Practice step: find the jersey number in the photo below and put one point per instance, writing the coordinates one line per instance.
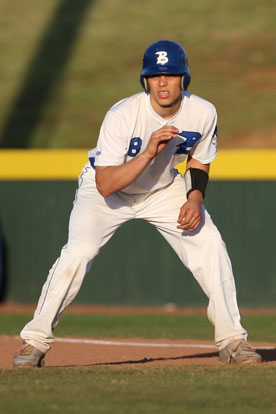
(134, 147)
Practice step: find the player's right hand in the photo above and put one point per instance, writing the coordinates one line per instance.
(159, 140)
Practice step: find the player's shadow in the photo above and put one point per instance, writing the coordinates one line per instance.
(148, 360)
(268, 355)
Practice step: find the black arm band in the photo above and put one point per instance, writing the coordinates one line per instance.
(196, 179)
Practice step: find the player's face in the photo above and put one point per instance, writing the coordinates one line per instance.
(165, 94)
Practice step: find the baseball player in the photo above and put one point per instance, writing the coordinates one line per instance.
(131, 175)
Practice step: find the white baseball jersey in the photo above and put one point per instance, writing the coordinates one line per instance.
(128, 126)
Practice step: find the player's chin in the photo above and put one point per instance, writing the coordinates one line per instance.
(167, 103)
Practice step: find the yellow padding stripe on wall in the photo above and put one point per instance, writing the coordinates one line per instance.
(42, 164)
(244, 164)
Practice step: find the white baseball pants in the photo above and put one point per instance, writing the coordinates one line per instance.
(95, 219)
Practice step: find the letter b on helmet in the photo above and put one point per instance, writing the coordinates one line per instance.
(165, 58)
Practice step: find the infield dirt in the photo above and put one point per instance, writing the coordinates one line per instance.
(124, 352)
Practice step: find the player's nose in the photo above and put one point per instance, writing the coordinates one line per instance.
(162, 80)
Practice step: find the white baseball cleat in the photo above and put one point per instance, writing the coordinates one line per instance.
(239, 352)
(28, 356)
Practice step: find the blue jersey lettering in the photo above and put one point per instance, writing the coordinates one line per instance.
(190, 139)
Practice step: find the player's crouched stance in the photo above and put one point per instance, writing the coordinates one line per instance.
(131, 175)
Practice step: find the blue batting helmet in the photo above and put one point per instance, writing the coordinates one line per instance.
(165, 58)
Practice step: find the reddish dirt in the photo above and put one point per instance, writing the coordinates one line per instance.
(83, 354)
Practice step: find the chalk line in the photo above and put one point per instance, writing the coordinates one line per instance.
(140, 344)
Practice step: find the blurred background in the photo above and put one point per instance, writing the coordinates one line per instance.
(65, 62)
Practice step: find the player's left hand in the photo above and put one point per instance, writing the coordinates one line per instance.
(190, 214)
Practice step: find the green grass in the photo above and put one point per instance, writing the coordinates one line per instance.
(260, 327)
(230, 46)
(168, 390)
(195, 389)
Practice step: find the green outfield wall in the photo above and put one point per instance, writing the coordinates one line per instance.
(137, 266)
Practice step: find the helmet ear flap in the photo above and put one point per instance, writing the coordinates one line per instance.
(185, 81)
(182, 83)
(144, 83)
(146, 86)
